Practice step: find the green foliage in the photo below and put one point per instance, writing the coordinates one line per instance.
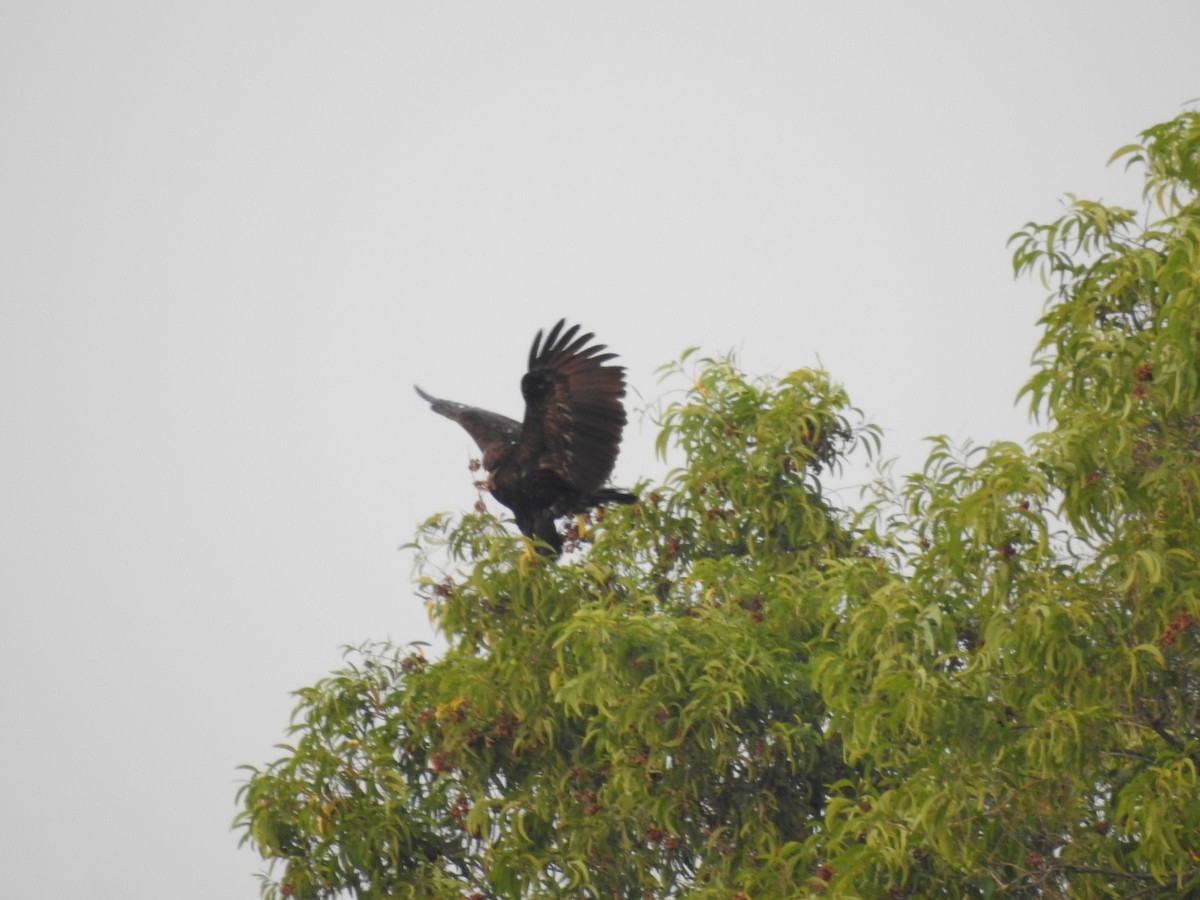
(983, 682)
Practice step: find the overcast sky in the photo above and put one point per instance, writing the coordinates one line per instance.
(233, 235)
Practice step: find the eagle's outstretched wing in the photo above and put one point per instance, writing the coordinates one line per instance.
(495, 434)
(573, 411)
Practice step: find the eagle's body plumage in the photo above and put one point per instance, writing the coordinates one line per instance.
(556, 461)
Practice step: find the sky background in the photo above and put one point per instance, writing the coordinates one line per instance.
(233, 235)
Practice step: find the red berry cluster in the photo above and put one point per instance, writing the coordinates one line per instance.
(754, 606)
(1142, 374)
(459, 810)
(1178, 623)
(587, 797)
(440, 762)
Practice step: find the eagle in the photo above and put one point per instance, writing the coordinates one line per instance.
(557, 460)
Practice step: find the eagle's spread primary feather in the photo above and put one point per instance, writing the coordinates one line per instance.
(555, 462)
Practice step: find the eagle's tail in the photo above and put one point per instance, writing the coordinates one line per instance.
(612, 495)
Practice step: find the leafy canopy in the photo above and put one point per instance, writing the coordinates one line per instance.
(982, 682)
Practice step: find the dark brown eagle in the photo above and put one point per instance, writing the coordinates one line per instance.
(556, 461)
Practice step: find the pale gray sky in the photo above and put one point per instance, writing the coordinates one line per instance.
(233, 235)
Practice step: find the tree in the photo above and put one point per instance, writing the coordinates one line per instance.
(984, 681)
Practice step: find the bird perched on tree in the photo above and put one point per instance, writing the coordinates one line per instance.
(556, 461)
